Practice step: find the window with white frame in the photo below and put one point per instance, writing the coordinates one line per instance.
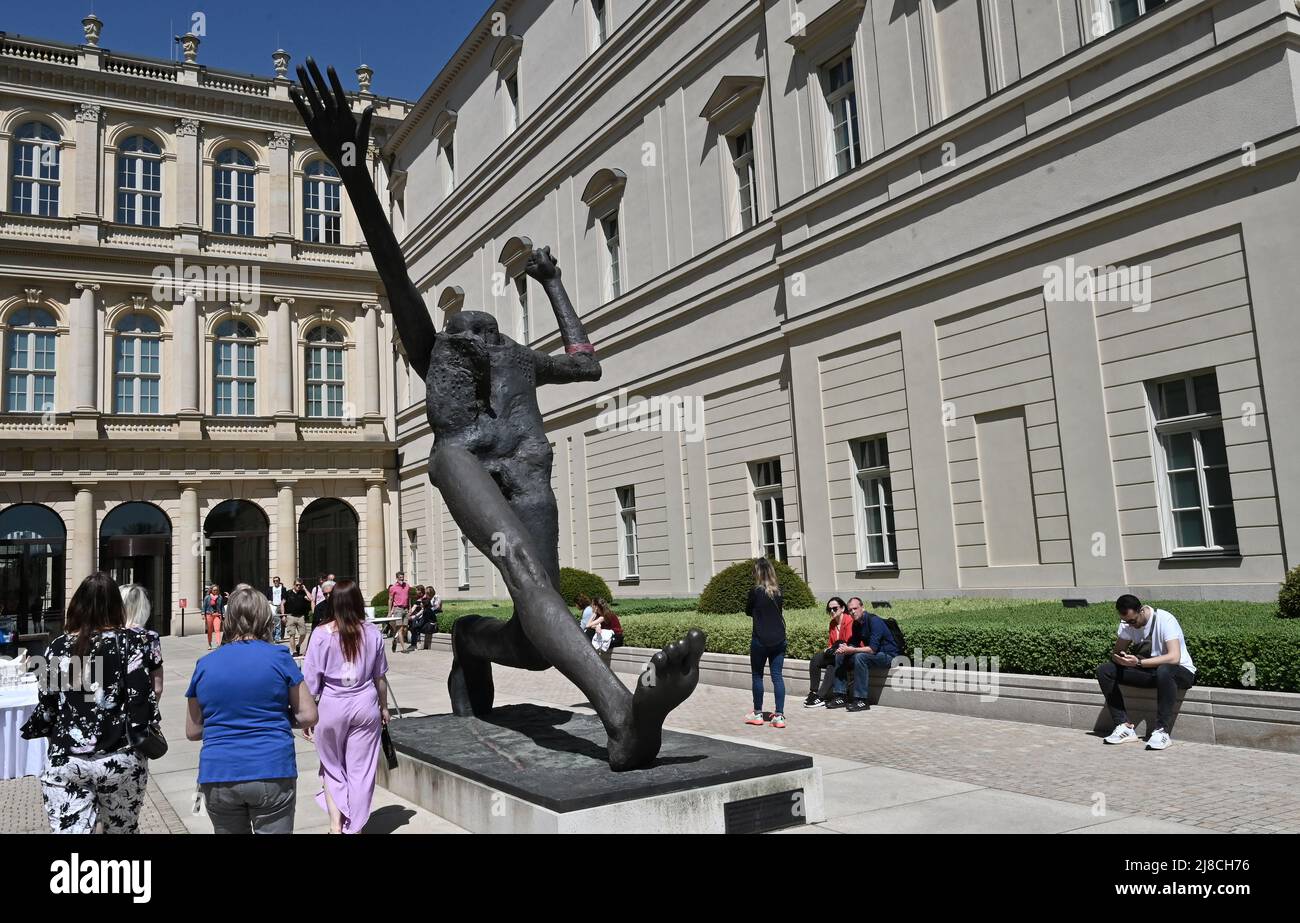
(599, 23)
(447, 152)
(840, 93)
(235, 370)
(325, 372)
(1195, 491)
(609, 228)
(29, 361)
(525, 318)
(746, 180)
(35, 170)
(233, 198)
(139, 182)
(629, 554)
(462, 563)
(769, 508)
(1123, 12)
(322, 204)
(137, 370)
(875, 503)
(511, 83)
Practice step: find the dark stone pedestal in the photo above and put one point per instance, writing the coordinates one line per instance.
(527, 768)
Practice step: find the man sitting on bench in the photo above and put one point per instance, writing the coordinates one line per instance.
(871, 646)
(1150, 651)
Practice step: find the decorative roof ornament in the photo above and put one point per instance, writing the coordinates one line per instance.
(364, 75)
(190, 47)
(280, 58)
(92, 25)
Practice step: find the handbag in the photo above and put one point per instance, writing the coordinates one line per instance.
(148, 741)
(390, 752)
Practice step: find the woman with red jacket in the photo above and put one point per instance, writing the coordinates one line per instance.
(820, 669)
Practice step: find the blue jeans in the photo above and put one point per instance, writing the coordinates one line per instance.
(862, 664)
(759, 656)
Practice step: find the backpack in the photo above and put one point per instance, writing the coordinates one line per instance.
(899, 641)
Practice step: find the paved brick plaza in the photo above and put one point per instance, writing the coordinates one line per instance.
(887, 770)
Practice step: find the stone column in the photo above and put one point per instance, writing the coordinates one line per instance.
(83, 334)
(370, 361)
(376, 572)
(189, 545)
(281, 180)
(286, 534)
(185, 364)
(189, 182)
(283, 352)
(82, 563)
(86, 191)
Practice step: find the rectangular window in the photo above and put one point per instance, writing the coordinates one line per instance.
(512, 101)
(769, 508)
(746, 182)
(1196, 493)
(629, 557)
(448, 149)
(599, 23)
(1123, 12)
(841, 96)
(613, 256)
(525, 321)
(462, 563)
(875, 506)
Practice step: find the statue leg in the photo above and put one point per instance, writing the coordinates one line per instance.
(543, 629)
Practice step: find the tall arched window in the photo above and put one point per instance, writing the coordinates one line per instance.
(36, 170)
(232, 205)
(325, 372)
(235, 378)
(139, 182)
(137, 374)
(322, 213)
(29, 362)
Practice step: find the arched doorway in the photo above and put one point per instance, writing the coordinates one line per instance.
(33, 548)
(237, 533)
(135, 546)
(327, 540)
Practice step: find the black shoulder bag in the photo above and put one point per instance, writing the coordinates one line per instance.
(148, 741)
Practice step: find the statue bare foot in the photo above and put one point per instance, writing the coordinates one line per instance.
(666, 682)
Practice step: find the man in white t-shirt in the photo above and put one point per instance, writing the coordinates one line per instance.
(1150, 651)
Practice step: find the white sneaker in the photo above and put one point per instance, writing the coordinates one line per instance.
(1159, 740)
(1122, 734)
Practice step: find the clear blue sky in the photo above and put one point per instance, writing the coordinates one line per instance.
(405, 41)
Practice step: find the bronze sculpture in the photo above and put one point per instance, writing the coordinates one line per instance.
(491, 461)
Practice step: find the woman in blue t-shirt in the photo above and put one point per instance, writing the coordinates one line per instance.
(245, 699)
(768, 642)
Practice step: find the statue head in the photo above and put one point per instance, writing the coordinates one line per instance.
(476, 325)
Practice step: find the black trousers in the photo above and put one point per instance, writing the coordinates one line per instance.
(1166, 679)
(821, 673)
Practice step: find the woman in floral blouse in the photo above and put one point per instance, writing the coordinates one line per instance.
(93, 774)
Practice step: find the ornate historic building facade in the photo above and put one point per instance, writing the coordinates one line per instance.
(197, 382)
(973, 296)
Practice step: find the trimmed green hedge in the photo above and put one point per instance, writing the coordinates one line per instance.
(1288, 598)
(728, 591)
(1227, 639)
(574, 582)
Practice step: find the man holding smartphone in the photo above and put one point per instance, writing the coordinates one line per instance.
(1150, 651)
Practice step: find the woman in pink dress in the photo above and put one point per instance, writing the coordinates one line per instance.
(345, 669)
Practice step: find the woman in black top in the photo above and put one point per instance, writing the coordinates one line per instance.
(98, 680)
(768, 642)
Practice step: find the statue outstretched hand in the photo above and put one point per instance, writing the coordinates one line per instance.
(327, 112)
(542, 266)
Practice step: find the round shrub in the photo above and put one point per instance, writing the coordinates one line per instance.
(1288, 598)
(574, 583)
(380, 599)
(729, 589)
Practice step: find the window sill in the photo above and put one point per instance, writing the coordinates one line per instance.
(630, 580)
(876, 570)
(1219, 556)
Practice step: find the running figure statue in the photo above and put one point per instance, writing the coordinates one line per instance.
(492, 463)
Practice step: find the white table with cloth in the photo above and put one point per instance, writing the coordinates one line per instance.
(19, 757)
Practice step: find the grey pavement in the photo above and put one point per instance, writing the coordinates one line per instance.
(888, 770)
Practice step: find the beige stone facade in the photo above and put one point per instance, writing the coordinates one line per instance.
(980, 296)
(189, 317)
